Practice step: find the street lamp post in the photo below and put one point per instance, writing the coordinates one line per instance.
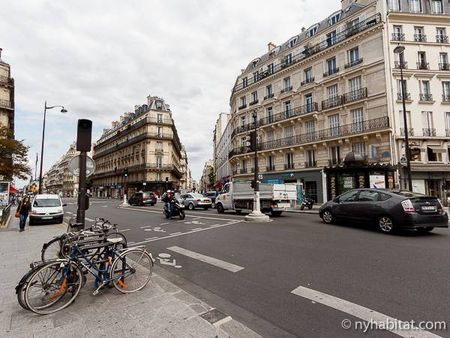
(400, 51)
(256, 215)
(63, 110)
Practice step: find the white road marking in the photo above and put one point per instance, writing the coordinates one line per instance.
(197, 229)
(146, 226)
(151, 238)
(175, 233)
(187, 233)
(222, 321)
(164, 223)
(123, 230)
(206, 259)
(89, 219)
(358, 311)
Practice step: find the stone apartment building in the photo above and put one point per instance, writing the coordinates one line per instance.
(221, 144)
(325, 102)
(145, 146)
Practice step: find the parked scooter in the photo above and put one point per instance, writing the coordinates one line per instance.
(176, 209)
(307, 203)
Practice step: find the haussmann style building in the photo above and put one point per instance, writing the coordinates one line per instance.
(328, 107)
(142, 151)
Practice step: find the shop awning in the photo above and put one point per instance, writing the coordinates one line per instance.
(12, 189)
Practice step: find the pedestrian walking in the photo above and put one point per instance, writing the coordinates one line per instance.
(22, 212)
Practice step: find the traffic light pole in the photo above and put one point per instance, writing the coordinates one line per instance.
(256, 215)
(81, 211)
(125, 180)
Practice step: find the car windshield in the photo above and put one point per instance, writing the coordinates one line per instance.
(46, 202)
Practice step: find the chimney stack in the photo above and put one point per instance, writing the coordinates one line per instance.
(303, 29)
(271, 46)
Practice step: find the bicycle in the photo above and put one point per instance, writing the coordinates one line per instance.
(54, 285)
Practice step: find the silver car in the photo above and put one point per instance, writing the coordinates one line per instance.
(193, 200)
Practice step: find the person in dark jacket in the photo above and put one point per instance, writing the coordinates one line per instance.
(23, 210)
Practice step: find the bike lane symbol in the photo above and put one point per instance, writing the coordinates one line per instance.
(164, 259)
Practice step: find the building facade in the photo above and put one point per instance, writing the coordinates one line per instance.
(142, 151)
(221, 150)
(6, 95)
(206, 182)
(422, 28)
(314, 99)
(186, 178)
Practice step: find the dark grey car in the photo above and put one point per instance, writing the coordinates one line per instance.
(388, 210)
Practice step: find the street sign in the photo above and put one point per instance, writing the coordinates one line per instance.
(403, 161)
(74, 166)
(260, 177)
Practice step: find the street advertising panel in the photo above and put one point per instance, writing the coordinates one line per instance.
(4, 193)
(377, 181)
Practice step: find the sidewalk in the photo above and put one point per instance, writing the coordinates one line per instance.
(314, 210)
(161, 309)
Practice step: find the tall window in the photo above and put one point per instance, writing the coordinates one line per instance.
(353, 56)
(441, 35)
(310, 128)
(357, 120)
(289, 161)
(333, 122)
(254, 96)
(334, 19)
(158, 162)
(331, 66)
(159, 145)
(333, 95)
(419, 33)
(446, 91)
(159, 118)
(288, 59)
(159, 132)
(335, 155)
(359, 148)
(243, 101)
(436, 7)
(402, 122)
(414, 6)
(244, 82)
(269, 135)
(427, 123)
(309, 103)
(312, 31)
(425, 87)
(398, 33)
(256, 76)
(270, 163)
(269, 91)
(400, 89)
(308, 75)
(287, 108)
(270, 68)
(447, 123)
(287, 84)
(289, 131)
(158, 177)
(331, 38)
(243, 121)
(394, 5)
(310, 158)
(269, 112)
(355, 84)
(443, 61)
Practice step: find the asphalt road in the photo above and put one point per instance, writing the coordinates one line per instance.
(251, 270)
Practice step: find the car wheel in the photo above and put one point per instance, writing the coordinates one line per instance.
(425, 230)
(327, 217)
(191, 206)
(220, 209)
(386, 225)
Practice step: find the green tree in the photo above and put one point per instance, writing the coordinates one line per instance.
(13, 156)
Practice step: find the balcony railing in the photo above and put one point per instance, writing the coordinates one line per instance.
(268, 96)
(242, 106)
(444, 66)
(398, 37)
(420, 37)
(331, 71)
(253, 102)
(355, 95)
(353, 63)
(321, 135)
(423, 65)
(314, 49)
(288, 166)
(410, 131)
(446, 97)
(428, 131)
(442, 38)
(5, 103)
(286, 89)
(398, 65)
(447, 132)
(426, 97)
(243, 171)
(334, 162)
(332, 102)
(406, 95)
(270, 168)
(310, 164)
(308, 80)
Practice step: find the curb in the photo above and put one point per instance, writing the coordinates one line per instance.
(314, 212)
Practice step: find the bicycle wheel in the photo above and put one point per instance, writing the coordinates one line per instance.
(53, 287)
(131, 270)
(21, 286)
(52, 250)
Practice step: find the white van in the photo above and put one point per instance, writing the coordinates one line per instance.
(46, 208)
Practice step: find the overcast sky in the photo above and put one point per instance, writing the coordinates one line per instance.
(100, 58)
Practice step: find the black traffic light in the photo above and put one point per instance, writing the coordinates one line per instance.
(84, 135)
(251, 141)
(125, 172)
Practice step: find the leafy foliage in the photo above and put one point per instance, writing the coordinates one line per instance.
(13, 156)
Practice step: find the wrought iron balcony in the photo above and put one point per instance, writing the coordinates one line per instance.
(420, 37)
(444, 66)
(314, 49)
(321, 135)
(355, 95)
(242, 106)
(447, 132)
(428, 131)
(270, 168)
(253, 102)
(243, 171)
(446, 97)
(331, 102)
(331, 71)
(398, 37)
(442, 38)
(410, 131)
(308, 80)
(310, 164)
(288, 166)
(334, 162)
(286, 89)
(353, 63)
(406, 95)
(423, 65)
(398, 65)
(268, 96)
(426, 97)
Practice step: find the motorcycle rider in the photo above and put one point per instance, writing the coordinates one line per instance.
(168, 198)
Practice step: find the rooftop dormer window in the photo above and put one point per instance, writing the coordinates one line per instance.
(158, 104)
(312, 30)
(255, 62)
(292, 42)
(335, 17)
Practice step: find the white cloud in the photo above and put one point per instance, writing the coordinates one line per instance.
(100, 58)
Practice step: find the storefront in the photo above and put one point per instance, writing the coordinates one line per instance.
(355, 172)
(434, 180)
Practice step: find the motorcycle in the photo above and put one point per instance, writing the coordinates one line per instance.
(307, 203)
(176, 209)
